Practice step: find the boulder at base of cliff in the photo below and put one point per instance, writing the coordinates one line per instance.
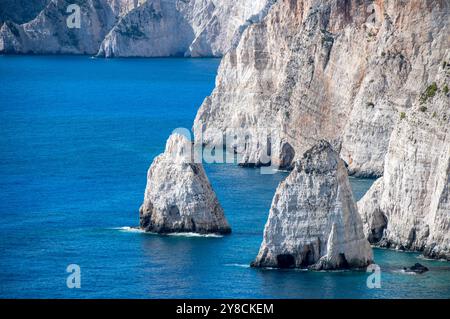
(179, 197)
(313, 221)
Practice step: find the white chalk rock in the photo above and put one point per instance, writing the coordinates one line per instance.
(323, 69)
(313, 221)
(179, 197)
(409, 207)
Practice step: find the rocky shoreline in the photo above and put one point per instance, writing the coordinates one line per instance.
(135, 28)
(365, 83)
(365, 87)
(374, 83)
(409, 207)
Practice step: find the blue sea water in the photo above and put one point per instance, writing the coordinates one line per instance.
(77, 136)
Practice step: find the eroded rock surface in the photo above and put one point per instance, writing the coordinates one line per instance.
(49, 33)
(179, 197)
(20, 11)
(183, 28)
(327, 69)
(409, 207)
(136, 28)
(313, 221)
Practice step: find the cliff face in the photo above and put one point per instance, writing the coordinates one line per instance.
(313, 221)
(20, 11)
(48, 32)
(156, 28)
(179, 197)
(341, 70)
(175, 27)
(144, 28)
(409, 207)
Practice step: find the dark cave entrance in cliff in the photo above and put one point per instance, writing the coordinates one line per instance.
(285, 261)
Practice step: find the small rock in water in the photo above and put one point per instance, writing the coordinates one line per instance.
(417, 268)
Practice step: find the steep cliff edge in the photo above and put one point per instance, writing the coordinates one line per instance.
(178, 196)
(154, 29)
(48, 33)
(141, 28)
(332, 69)
(409, 207)
(188, 28)
(313, 221)
(20, 11)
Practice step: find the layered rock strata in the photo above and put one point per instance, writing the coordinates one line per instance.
(409, 207)
(313, 221)
(194, 28)
(49, 32)
(326, 69)
(178, 197)
(135, 28)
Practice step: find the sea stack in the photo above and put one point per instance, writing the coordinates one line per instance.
(178, 197)
(314, 222)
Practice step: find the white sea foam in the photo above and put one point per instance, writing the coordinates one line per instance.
(127, 229)
(335, 270)
(403, 272)
(195, 235)
(266, 268)
(431, 259)
(425, 258)
(238, 265)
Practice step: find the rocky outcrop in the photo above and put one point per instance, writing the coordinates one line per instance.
(154, 29)
(332, 69)
(185, 28)
(313, 221)
(144, 28)
(20, 11)
(409, 207)
(48, 33)
(179, 197)
(416, 269)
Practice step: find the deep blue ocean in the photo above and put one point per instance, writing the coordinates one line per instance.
(77, 136)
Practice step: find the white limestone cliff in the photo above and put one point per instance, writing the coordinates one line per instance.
(49, 33)
(338, 70)
(154, 29)
(182, 28)
(313, 221)
(136, 28)
(178, 197)
(409, 207)
(20, 11)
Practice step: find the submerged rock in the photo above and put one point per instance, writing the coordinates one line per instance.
(313, 221)
(179, 197)
(417, 268)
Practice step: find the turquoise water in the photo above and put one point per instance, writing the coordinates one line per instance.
(76, 138)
